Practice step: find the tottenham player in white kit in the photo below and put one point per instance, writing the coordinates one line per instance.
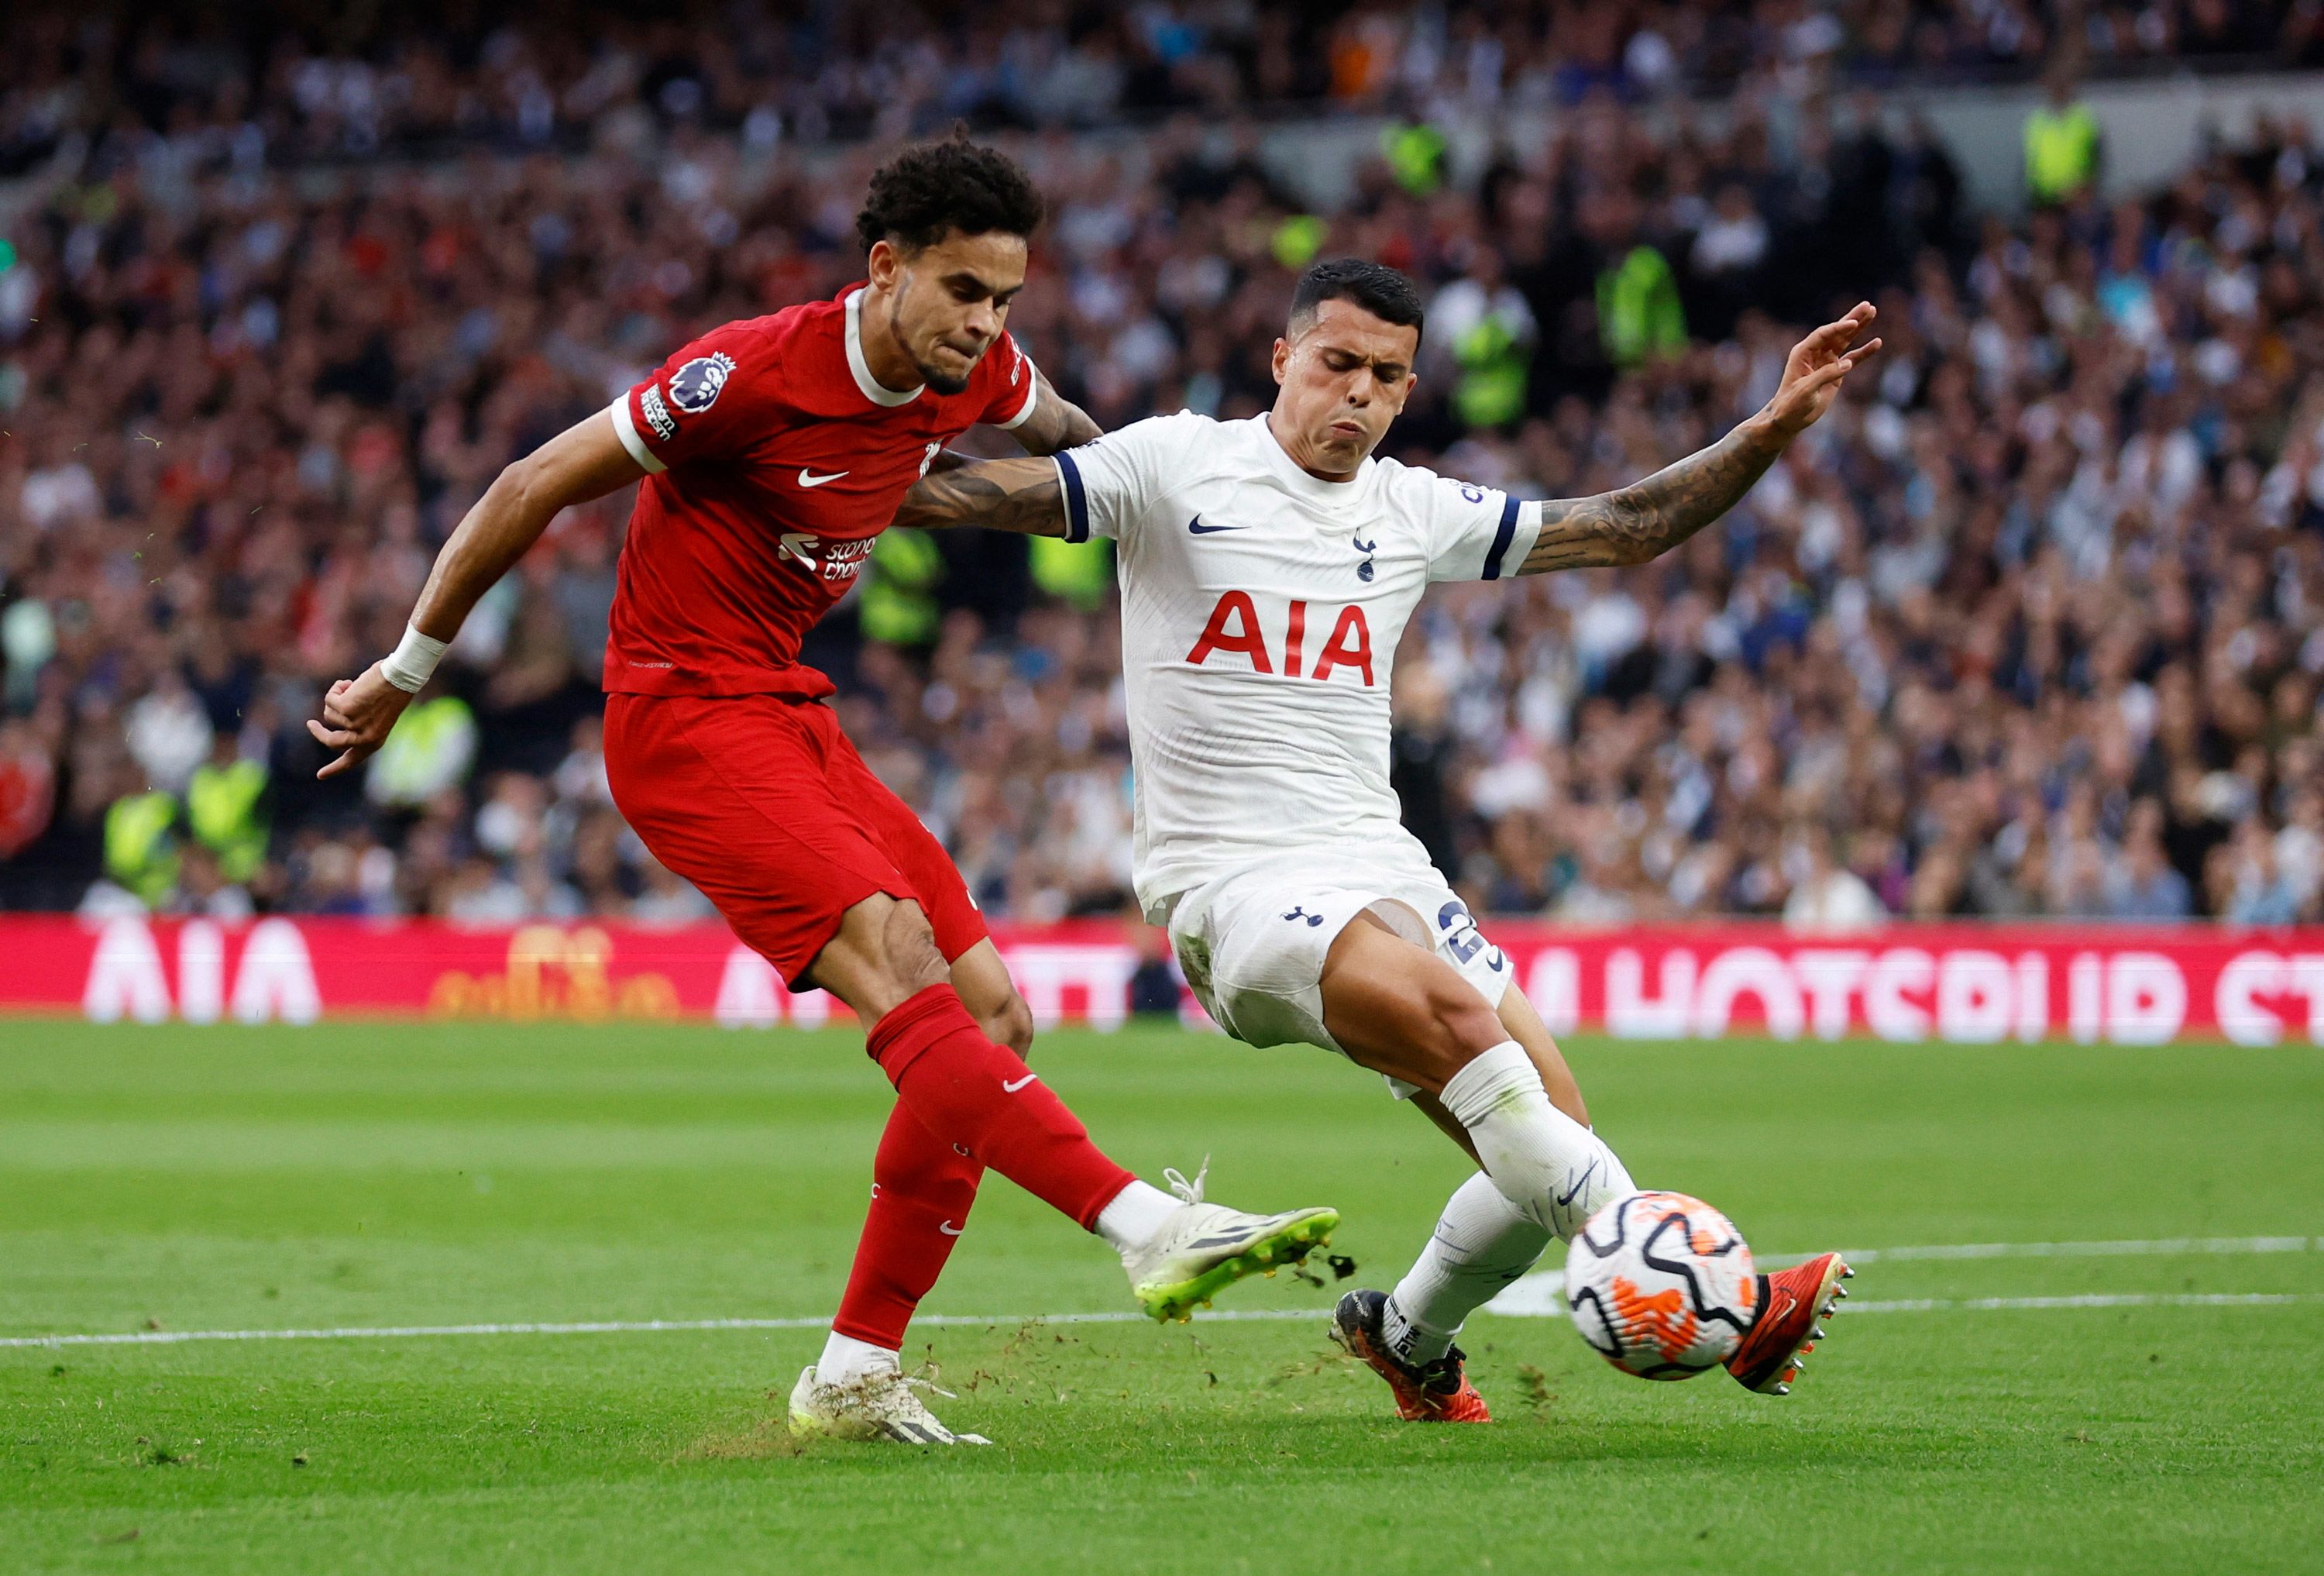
(1267, 569)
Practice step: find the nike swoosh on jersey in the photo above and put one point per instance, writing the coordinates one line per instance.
(1009, 1088)
(949, 1229)
(810, 479)
(1195, 527)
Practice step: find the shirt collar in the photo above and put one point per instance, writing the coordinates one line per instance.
(1287, 470)
(873, 390)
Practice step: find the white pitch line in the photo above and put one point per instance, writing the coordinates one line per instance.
(1537, 1296)
(607, 1327)
(2086, 1300)
(1555, 1310)
(2160, 1245)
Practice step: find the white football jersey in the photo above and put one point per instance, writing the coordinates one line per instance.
(1261, 609)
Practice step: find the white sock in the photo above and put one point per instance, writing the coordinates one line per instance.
(1554, 1170)
(846, 1359)
(1482, 1242)
(1136, 1214)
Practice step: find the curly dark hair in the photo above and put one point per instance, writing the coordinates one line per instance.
(924, 192)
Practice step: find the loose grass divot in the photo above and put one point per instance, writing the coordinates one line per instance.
(765, 1439)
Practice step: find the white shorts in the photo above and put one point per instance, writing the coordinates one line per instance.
(1251, 942)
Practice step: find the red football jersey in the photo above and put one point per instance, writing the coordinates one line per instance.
(774, 458)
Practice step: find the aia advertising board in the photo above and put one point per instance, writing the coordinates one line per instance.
(1961, 984)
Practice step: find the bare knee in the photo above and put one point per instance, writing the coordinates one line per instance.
(1009, 1024)
(913, 962)
(991, 997)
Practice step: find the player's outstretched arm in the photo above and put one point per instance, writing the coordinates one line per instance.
(584, 461)
(1023, 495)
(1649, 517)
(1056, 423)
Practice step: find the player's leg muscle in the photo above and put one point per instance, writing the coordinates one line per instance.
(1399, 1008)
(959, 1083)
(883, 954)
(991, 997)
(924, 1187)
(1523, 1026)
(1405, 1011)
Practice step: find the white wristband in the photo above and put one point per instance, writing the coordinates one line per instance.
(414, 658)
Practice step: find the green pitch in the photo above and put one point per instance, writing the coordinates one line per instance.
(196, 1180)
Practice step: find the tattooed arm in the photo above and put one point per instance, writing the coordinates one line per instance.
(1649, 517)
(1055, 422)
(1014, 495)
(1025, 495)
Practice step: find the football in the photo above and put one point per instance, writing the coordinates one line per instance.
(1660, 1285)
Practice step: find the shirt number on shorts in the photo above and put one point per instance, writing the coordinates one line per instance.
(1460, 936)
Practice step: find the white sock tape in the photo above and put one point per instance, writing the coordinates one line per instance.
(413, 660)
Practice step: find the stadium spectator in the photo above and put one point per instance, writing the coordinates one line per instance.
(2036, 627)
(166, 92)
(1828, 896)
(2062, 144)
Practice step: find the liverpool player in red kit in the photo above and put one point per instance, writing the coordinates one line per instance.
(773, 451)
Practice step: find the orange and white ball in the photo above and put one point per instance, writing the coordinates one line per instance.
(1660, 1285)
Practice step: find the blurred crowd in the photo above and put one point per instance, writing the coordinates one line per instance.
(297, 78)
(2033, 625)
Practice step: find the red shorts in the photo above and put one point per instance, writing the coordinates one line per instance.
(764, 804)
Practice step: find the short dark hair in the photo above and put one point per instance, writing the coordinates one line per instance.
(924, 192)
(1377, 287)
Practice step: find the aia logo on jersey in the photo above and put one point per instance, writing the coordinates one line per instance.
(694, 387)
(842, 564)
(1233, 626)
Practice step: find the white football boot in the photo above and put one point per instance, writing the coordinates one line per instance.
(881, 1406)
(1203, 1249)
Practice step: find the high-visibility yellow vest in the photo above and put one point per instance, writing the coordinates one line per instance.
(429, 749)
(141, 848)
(1073, 572)
(1416, 157)
(1639, 310)
(2062, 151)
(1296, 241)
(222, 807)
(897, 604)
(1491, 391)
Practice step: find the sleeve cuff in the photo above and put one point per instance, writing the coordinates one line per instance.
(1504, 535)
(1032, 398)
(627, 431)
(1077, 525)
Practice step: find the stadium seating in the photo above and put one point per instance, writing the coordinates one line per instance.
(2035, 626)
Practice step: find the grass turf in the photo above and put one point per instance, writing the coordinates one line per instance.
(365, 1175)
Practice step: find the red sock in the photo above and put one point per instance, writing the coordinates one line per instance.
(921, 1191)
(966, 1090)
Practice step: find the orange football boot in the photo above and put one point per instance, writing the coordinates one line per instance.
(1790, 1301)
(1431, 1392)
